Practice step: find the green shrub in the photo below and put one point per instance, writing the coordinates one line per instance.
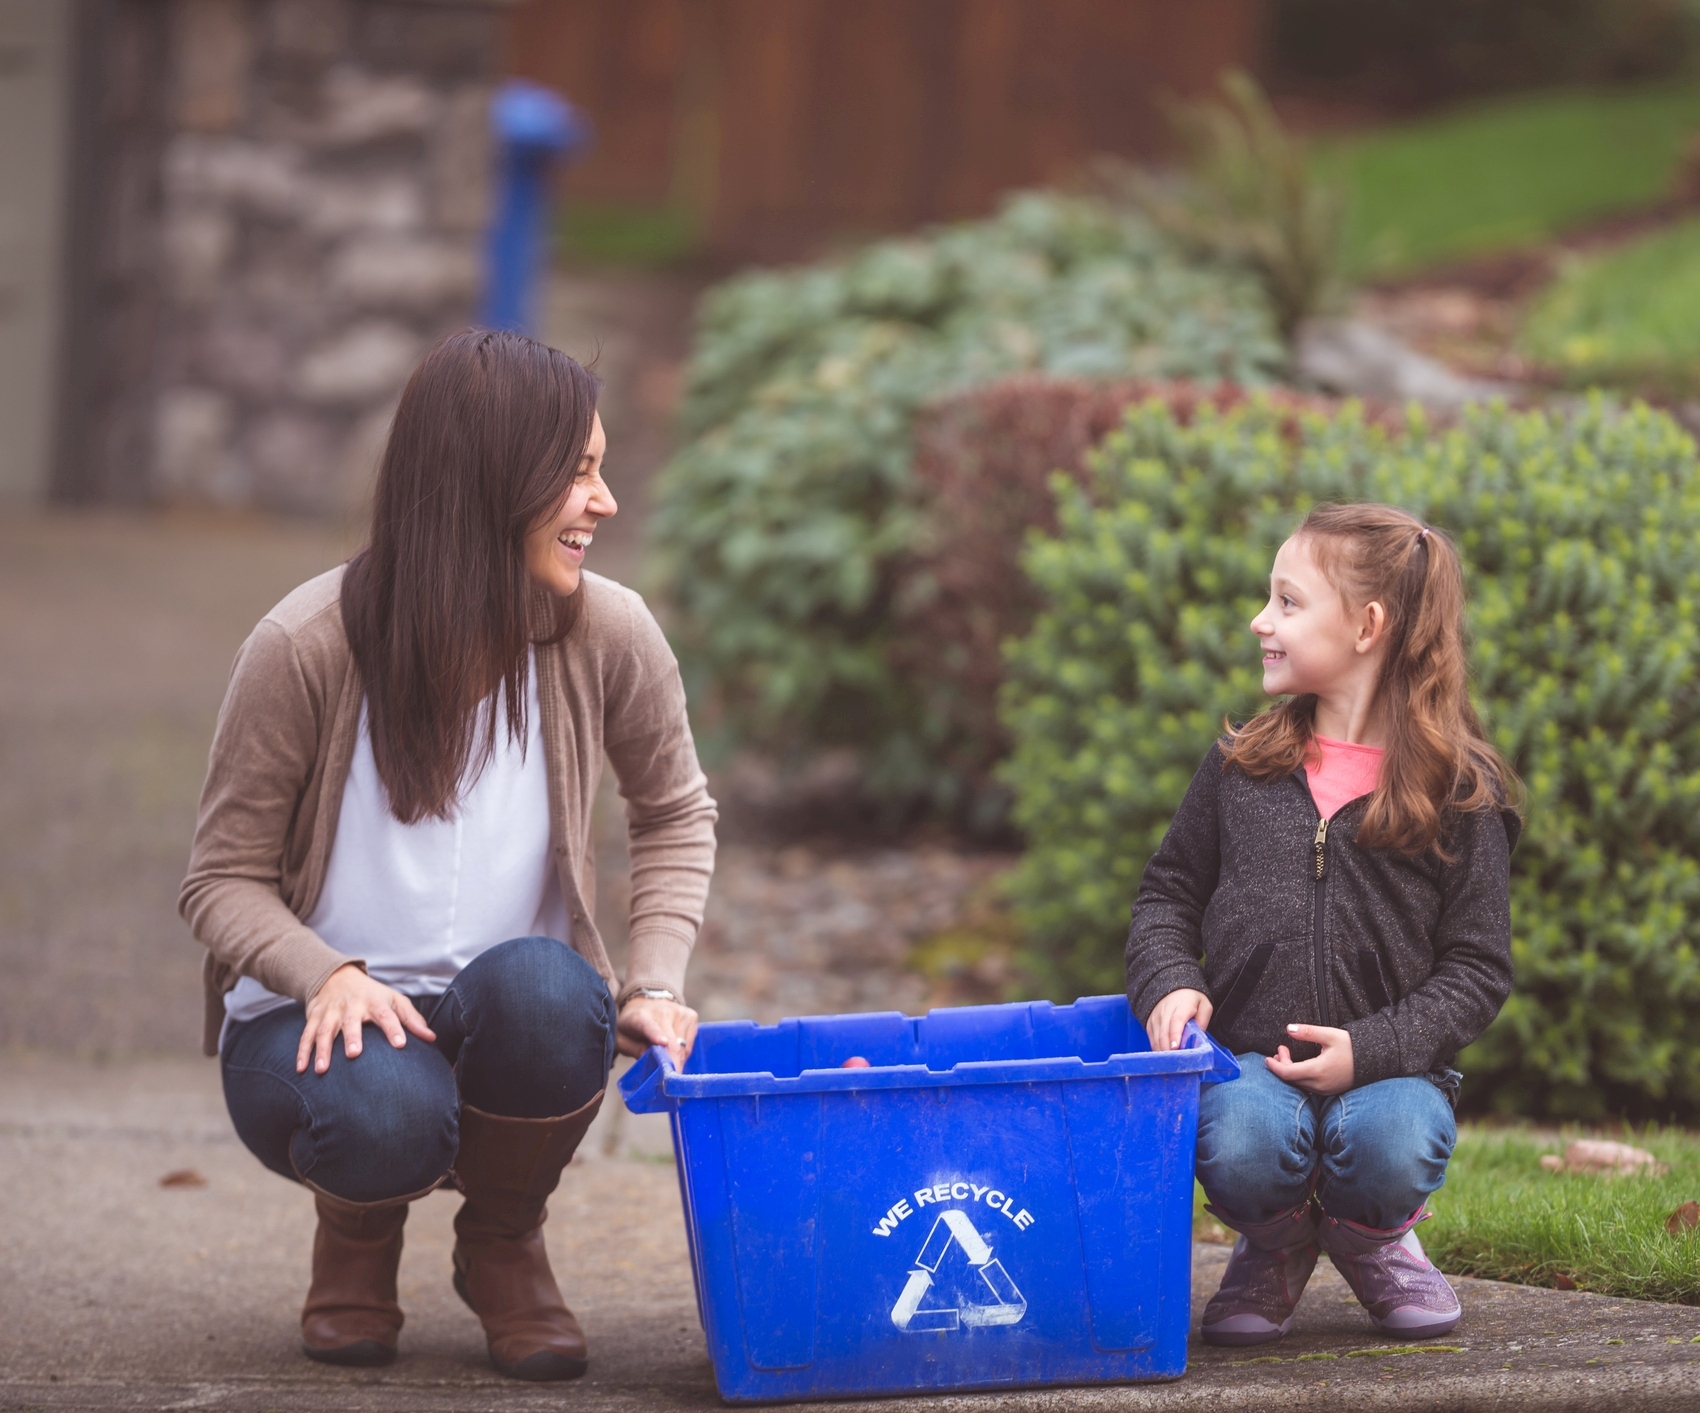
(779, 523)
(1253, 195)
(1581, 537)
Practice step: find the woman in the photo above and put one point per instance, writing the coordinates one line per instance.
(394, 849)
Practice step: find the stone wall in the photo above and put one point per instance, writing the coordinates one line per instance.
(316, 220)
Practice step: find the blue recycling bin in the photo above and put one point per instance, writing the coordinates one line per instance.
(1001, 1199)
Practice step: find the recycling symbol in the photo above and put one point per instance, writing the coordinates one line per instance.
(1003, 1303)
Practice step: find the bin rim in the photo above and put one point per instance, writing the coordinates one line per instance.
(655, 1083)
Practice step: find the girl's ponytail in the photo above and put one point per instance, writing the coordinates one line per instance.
(1438, 757)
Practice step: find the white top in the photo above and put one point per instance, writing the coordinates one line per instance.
(420, 901)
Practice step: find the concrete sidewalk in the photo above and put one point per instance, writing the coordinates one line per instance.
(118, 1293)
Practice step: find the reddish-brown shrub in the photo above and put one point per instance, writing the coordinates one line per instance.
(983, 463)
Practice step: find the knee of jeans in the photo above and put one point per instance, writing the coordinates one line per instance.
(541, 975)
(1253, 1158)
(1383, 1168)
(392, 1132)
(542, 1029)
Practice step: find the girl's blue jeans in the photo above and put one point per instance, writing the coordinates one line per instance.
(526, 1030)
(1371, 1155)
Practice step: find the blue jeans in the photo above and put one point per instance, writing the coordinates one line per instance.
(1372, 1155)
(525, 1031)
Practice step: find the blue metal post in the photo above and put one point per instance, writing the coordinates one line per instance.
(534, 128)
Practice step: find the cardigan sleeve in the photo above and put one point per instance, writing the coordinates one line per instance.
(1472, 973)
(263, 754)
(670, 816)
(1165, 941)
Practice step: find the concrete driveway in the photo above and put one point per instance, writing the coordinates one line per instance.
(116, 1292)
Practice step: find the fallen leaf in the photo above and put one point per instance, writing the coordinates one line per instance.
(1685, 1218)
(1601, 1156)
(1563, 1282)
(183, 1177)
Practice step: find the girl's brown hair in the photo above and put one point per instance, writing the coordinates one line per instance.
(1438, 757)
(438, 607)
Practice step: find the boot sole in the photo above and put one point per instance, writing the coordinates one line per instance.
(1433, 1330)
(1241, 1339)
(543, 1367)
(362, 1354)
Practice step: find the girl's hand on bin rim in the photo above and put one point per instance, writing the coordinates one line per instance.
(1169, 1016)
(651, 1021)
(348, 999)
(1329, 1073)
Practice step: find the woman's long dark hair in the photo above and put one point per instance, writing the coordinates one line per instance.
(438, 607)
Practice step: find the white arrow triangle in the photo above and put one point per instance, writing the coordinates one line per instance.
(1007, 1305)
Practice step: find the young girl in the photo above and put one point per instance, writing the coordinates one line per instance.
(1332, 902)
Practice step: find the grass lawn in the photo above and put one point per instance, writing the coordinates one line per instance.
(1493, 177)
(1630, 316)
(1503, 1217)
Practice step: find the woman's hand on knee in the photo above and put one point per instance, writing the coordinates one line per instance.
(646, 1021)
(348, 999)
(1329, 1073)
(1169, 1016)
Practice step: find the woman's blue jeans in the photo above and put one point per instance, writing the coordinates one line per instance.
(1371, 1155)
(525, 1031)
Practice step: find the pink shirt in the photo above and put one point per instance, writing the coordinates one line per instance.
(1339, 771)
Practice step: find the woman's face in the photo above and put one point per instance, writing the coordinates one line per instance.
(555, 546)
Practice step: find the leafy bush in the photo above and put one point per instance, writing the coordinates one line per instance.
(1632, 316)
(1581, 537)
(779, 523)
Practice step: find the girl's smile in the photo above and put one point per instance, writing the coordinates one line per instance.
(1316, 644)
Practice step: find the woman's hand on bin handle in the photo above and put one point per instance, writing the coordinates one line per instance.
(646, 1021)
(1169, 1016)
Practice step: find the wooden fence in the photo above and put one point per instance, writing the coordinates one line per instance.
(776, 123)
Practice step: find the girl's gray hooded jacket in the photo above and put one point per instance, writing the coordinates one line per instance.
(1278, 920)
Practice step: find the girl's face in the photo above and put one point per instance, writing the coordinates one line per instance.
(555, 546)
(1312, 642)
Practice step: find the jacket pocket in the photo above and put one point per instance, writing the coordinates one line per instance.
(1241, 988)
(1372, 979)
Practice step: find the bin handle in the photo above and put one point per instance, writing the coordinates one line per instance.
(1223, 1066)
(642, 1085)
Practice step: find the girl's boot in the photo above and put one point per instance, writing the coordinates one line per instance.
(1266, 1275)
(508, 1168)
(351, 1315)
(1392, 1277)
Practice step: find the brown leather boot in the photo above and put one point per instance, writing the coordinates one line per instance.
(351, 1315)
(507, 1168)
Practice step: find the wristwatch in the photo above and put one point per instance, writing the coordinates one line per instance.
(649, 993)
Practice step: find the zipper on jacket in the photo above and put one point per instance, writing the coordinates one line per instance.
(1319, 955)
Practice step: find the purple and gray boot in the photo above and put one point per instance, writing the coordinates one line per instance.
(1392, 1277)
(1266, 1275)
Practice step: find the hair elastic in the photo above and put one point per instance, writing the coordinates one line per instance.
(1422, 534)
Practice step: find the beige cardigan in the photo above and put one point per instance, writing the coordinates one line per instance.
(281, 755)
